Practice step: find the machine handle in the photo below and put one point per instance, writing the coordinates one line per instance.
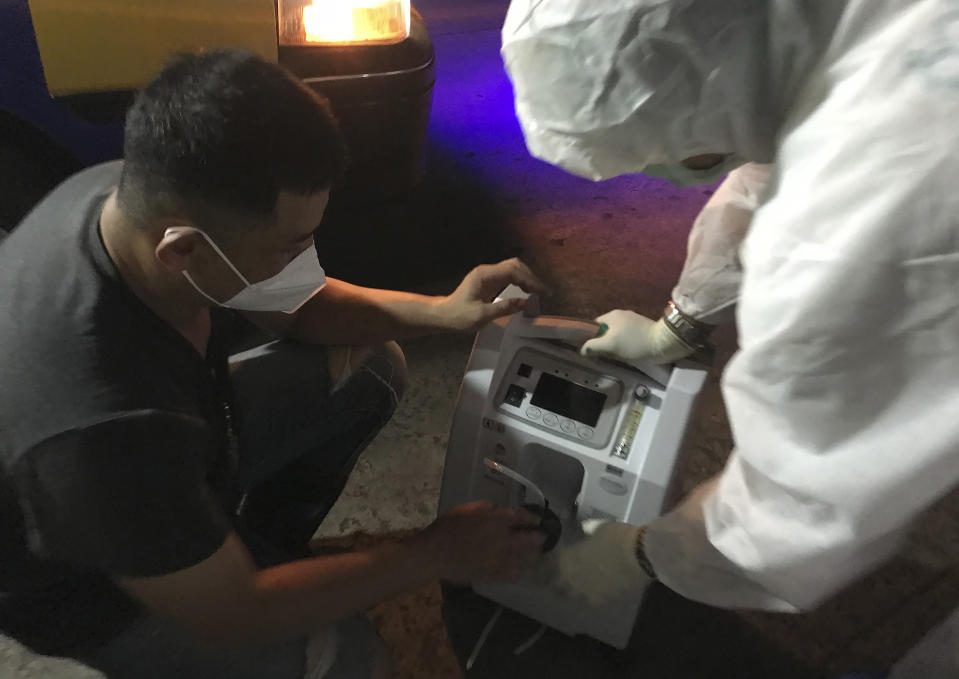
(531, 324)
(571, 330)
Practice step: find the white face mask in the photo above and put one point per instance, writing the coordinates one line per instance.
(287, 291)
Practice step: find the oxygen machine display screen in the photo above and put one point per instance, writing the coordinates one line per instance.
(568, 399)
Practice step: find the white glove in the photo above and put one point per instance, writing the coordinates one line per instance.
(601, 567)
(635, 339)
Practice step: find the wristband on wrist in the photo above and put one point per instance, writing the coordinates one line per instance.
(687, 329)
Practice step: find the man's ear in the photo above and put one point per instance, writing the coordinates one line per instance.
(177, 248)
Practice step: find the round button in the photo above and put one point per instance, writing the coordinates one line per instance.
(533, 413)
(568, 426)
(550, 420)
(641, 392)
(611, 485)
(585, 433)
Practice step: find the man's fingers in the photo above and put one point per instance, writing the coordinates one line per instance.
(525, 277)
(527, 538)
(534, 540)
(523, 524)
(475, 507)
(513, 305)
(498, 276)
(505, 307)
(525, 553)
(525, 517)
(514, 517)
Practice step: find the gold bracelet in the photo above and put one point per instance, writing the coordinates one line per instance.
(644, 561)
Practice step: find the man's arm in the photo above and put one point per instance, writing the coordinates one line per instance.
(709, 284)
(224, 600)
(841, 398)
(342, 313)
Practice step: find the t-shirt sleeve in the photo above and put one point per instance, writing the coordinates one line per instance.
(127, 497)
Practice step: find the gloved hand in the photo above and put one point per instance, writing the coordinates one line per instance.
(602, 566)
(635, 339)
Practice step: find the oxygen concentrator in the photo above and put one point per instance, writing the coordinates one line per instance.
(539, 425)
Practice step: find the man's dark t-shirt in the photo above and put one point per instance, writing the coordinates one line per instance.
(113, 448)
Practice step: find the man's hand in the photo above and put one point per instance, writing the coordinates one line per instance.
(601, 567)
(477, 542)
(635, 339)
(471, 306)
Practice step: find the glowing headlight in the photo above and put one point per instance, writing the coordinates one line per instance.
(316, 22)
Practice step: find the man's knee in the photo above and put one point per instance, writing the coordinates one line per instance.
(385, 362)
(394, 367)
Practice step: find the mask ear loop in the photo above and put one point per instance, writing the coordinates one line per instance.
(199, 289)
(216, 248)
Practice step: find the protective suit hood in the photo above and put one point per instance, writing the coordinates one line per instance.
(607, 87)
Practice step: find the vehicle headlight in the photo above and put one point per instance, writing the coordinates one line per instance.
(316, 22)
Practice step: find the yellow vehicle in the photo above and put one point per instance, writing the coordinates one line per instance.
(69, 70)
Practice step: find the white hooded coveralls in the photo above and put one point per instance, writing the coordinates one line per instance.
(841, 253)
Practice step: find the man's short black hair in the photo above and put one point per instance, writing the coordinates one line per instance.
(223, 132)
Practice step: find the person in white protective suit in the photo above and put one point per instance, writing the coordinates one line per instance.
(836, 242)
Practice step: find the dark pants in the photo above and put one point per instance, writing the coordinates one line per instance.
(298, 441)
(298, 444)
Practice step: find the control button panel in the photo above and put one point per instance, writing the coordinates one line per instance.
(566, 398)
